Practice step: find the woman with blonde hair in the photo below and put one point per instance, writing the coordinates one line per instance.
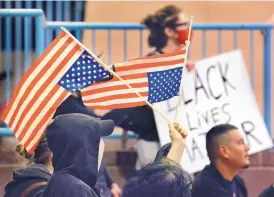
(29, 181)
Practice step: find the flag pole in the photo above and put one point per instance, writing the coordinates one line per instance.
(181, 85)
(113, 73)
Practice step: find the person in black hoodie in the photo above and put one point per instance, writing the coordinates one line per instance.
(27, 182)
(105, 184)
(77, 147)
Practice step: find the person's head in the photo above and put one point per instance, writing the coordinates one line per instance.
(42, 154)
(162, 179)
(168, 25)
(225, 143)
(76, 144)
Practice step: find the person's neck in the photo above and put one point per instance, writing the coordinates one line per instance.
(170, 46)
(225, 170)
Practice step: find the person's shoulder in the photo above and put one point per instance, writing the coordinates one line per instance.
(206, 175)
(66, 184)
(205, 185)
(205, 181)
(59, 185)
(268, 192)
(64, 178)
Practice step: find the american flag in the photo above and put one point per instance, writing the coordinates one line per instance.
(156, 78)
(64, 67)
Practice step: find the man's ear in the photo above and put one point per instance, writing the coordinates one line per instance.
(223, 151)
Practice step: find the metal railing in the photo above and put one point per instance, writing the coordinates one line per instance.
(79, 27)
(38, 14)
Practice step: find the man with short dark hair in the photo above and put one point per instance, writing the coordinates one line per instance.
(228, 153)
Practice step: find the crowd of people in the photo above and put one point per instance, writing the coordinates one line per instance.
(68, 159)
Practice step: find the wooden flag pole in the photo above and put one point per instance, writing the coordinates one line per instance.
(113, 73)
(181, 85)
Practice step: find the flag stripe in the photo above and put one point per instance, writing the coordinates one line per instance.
(10, 107)
(165, 55)
(160, 67)
(114, 83)
(71, 53)
(35, 137)
(117, 101)
(118, 87)
(116, 106)
(118, 97)
(93, 98)
(25, 131)
(39, 84)
(145, 64)
(27, 81)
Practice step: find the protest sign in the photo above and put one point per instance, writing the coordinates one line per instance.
(218, 91)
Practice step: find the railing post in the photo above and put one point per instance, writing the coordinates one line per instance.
(40, 37)
(267, 79)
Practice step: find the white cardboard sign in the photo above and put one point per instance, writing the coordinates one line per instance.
(217, 91)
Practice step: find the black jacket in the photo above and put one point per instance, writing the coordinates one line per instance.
(74, 140)
(268, 192)
(75, 105)
(210, 183)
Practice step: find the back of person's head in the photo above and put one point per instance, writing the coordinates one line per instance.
(162, 179)
(225, 142)
(156, 23)
(169, 26)
(42, 154)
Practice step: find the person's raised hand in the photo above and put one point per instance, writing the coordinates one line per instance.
(177, 133)
(190, 65)
(178, 138)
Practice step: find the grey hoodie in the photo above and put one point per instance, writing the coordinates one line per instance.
(23, 178)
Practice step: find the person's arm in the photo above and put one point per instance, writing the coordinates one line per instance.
(176, 152)
(178, 138)
(119, 116)
(114, 188)
(175, 149)
(163, 152)
(108, 178)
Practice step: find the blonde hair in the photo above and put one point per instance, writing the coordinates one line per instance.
(41, 155)
(42, 152)
(23, 155)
